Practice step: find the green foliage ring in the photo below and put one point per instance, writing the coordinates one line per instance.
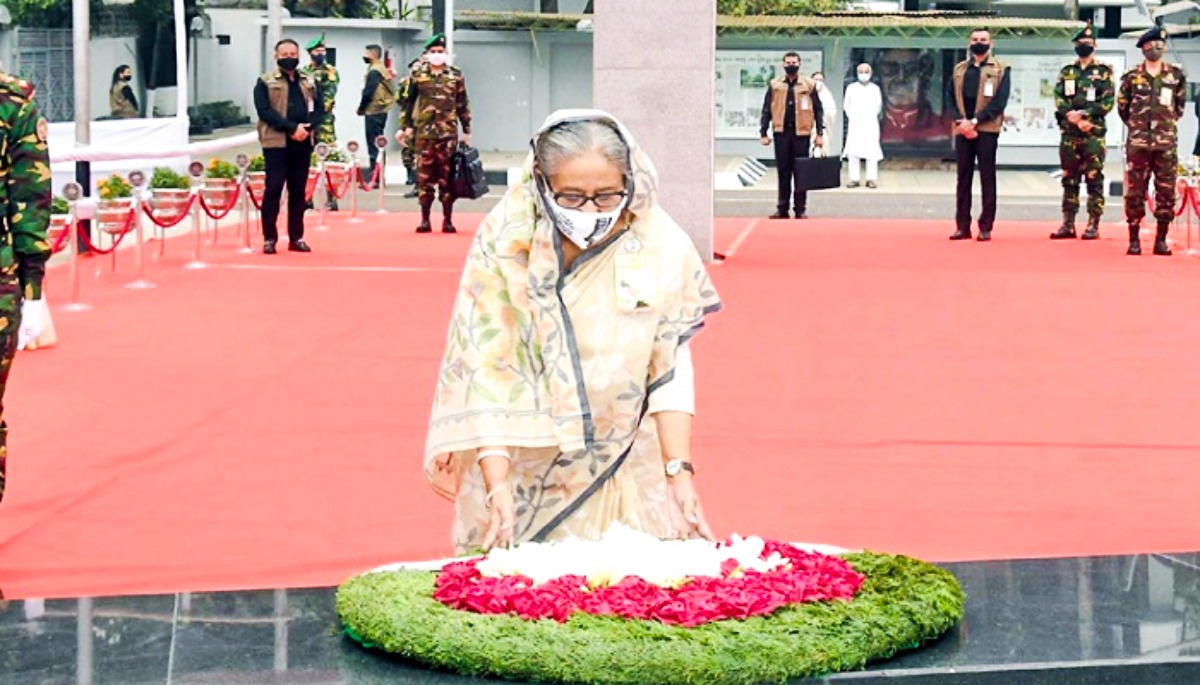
(903, 603)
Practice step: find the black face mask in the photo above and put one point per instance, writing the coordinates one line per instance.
(366, 60)
(1084, 50)
(980, 49)
(288, 63)
(127, 77)
(792, 69)
(1153, 54)
(318, 59)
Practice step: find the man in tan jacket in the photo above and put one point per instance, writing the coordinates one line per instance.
(289, 109)
(378, 96)
(792, 111)
(978, 94)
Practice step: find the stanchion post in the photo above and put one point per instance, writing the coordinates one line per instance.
(355, 179)
(243, 164)
(381, 142)
(196, 171)
(138, 180)
(321, 191)
(82, 208)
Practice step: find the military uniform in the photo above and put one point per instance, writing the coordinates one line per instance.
(1090, 90)
(437, 104)
(327, 80)
(25, 204)
(408, 149)
(1150, 105)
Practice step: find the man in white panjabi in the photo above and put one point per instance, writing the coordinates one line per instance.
(863, 105)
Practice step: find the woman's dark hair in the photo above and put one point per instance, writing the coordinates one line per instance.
(117, 73)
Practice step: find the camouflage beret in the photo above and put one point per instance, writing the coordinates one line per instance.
(1155, 33)
(315, 43)
(1085, 32)
(436, 40)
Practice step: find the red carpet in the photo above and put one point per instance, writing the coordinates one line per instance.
(869, 384)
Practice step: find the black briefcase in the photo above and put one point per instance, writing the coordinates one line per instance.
(817, 173)
(467, 177)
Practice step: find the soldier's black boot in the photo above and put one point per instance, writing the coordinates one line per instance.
(426, 206)
(447, 216)
(1160, 240)
(412, 181)
(1135, 241)
(1067, 230)
(1093, 228)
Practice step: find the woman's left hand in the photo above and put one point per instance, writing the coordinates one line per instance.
(683, 491)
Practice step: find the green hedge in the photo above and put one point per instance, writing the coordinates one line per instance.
(902, 604)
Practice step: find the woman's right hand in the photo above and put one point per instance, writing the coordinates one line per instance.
(500, 508)
(499, 499)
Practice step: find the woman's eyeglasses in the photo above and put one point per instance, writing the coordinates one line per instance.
(603, 201)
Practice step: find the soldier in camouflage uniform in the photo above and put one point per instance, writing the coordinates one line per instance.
(1084, 97)
(1150, 101)
(326, 77)
(408, 147)
(436, 105)
(25, 203)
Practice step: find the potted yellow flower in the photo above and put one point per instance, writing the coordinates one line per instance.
(116, 201)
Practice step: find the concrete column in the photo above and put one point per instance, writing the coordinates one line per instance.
(653, 70)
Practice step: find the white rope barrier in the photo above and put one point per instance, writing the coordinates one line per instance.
(97, 154)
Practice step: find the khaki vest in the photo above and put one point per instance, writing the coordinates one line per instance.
(120, 105)
(277, 94)
(385, 94)
(805, 89)
(992, 70)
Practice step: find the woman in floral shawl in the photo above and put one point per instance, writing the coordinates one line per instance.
(565, 399)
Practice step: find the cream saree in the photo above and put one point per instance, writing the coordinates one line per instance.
(557, 365)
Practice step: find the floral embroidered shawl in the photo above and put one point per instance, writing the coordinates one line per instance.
(546, 364)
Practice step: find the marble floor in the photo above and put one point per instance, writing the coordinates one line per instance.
(1128, 620)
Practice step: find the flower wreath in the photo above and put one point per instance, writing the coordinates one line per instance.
(769, 611)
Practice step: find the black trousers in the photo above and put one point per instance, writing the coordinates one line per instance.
(789, 146)
(286, 166)
(983, 150)
(375, 123)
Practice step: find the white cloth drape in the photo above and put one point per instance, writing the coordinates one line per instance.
(863, 104)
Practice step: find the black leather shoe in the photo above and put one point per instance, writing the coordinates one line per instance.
(424, 227)
(961, 235)
(984, 236)
(1064, 232)
(801, 215)
(299, 246)
(780, 215)
(412, 192)
(269, 247)
(449, 228)
(1093, 231)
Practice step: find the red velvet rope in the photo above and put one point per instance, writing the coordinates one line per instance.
(61, 242)
(368, 187)
(221, 212)
(253, 200)
(169, 223)
(337, 195)
(125, 230)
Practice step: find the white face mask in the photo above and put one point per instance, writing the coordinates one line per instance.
(863, 78)
(437, 59)
(585, 229)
